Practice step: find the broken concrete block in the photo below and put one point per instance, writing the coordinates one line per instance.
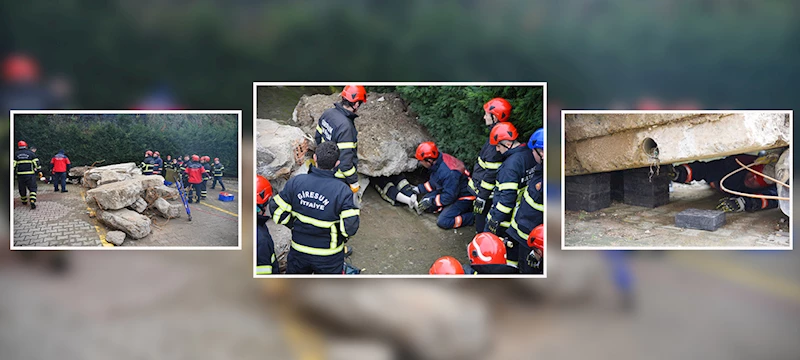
(167, 192)
(116, 195)
(77, 171)
(642, 189)
(590, 192)
(115, 237)
(166, 209)
(132, 223)
(150, 181)
(139, 206)
(108, 177)
(700, 219)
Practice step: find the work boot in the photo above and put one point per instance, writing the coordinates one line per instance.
(65, 190)
(189, 200)
(33, 205)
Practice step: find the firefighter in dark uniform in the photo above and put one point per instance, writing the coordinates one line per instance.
(513, 174)
(184, 176)
(446, 191)
(743, 181)
(266, 260)
(218, 171)
(26, 166)
(194, 174)
(529, 211)
(484, 173)
(147, 163)
(337, 125)
(206, 175)
(158, 164)
(321, 213)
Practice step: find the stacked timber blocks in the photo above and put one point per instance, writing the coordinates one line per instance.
(590, 192)
(700, 219)
(642, 189)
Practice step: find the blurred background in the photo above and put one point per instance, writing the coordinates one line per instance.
(594, 54)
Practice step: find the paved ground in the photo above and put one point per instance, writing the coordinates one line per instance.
(62, 219)
(630, 226)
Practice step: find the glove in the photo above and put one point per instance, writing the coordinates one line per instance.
(355, 187)
(492, 225)
(534, 259)
(424, 205)
(731, 204)
(478, 205)
(766, 159)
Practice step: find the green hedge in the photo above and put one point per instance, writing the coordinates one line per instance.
(453, 115)
(124, 138)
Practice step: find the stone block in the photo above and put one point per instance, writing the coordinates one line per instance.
(700, 219)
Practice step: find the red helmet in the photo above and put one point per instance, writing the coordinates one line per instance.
(263, 190)
(503, 131)
(195, 158)
(353, 93)
(22, 144)
(156, 153)
(19, 67)
(446, 265)
(499, 107)
(148, 153)
(487, 249)
(427, 150)
(536, 238)
(216, 159)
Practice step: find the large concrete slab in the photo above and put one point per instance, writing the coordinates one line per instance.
(608, 142)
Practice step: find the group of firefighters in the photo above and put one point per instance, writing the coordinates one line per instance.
(503, 197)
(192, 171)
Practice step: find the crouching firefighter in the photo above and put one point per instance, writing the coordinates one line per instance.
(319, 209)
(266, 260)
(26, 166)
(446, 190)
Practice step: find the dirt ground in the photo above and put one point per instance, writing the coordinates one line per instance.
(62, 219)
(395, 240)
(632, 226)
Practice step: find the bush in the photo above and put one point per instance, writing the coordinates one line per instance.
(124, 138)
(453, 115)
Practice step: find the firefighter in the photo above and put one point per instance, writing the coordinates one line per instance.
(396, 190)
(184, 177)
(535, 256)
(512, 175)
(147, 163)
(484, 173)
(446, 191)
(194, 175)
(168, 162)
(336, 124)
(266, 260)
(321, 213)
(204, 160)
(218, 170)
(26, 165)
(743, 181)
(487, 255)
(448, 265)
(158, 163)
(60, 165)
(529, 210)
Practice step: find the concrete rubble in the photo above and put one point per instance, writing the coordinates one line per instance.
(388, 134)
(115, 237)
(116, 195)
(280, 151)
(139, 206)
(167, 210)
(132, 223)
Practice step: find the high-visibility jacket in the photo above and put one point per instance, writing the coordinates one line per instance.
(147, 165)
(320, 211)
(512, 176)
(207, 173)
(447, 182)
(266, 260)
(529, 211)
(337, 125)
(484, 173)
(60, 163)
(195, 171)
(218, 170)
(25, 162)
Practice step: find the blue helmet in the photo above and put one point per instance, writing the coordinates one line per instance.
(537, 140)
